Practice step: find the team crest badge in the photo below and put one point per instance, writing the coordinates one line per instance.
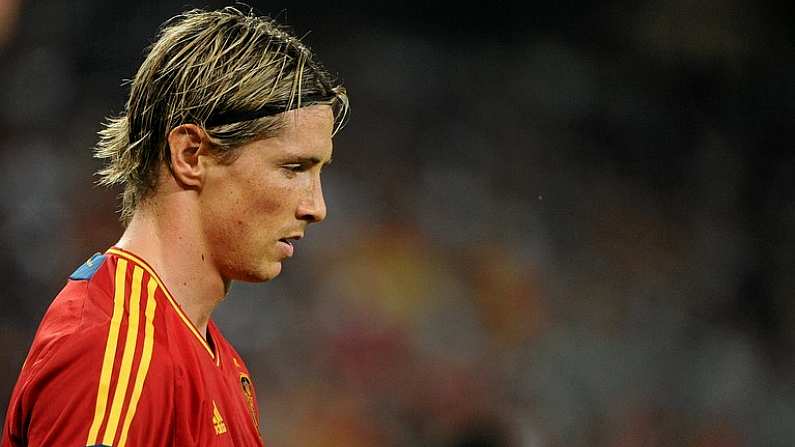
(248, 391)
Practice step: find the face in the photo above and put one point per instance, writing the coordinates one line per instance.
(254, 209)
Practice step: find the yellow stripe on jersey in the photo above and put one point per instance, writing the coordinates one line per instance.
(120, 393)
(110, 352)
(171, 300)
(146, 356)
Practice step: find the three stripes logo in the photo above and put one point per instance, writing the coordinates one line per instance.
(116, 405)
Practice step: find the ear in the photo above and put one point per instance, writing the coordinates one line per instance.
(187, 143)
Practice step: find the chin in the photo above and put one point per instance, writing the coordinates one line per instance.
(261, 273)
(273, 272)
(268, 271)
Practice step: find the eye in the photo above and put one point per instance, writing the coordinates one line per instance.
(290, 170)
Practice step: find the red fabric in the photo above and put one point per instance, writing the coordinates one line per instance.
(167, 395)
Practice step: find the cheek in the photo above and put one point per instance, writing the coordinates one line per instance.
(266, 210)
(253, 208)
(268, 203)
(266, 200)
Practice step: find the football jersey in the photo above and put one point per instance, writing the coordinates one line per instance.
(116, 362)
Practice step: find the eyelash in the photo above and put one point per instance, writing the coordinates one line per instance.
(292, 169)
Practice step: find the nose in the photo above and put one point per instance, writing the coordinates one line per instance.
(313, 207)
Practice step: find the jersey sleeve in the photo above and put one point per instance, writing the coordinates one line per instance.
(106, 385)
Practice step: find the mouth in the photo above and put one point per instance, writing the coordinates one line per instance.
(288, 244)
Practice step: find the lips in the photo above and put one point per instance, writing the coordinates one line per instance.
(288, 244)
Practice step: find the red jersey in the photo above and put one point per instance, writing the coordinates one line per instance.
(115, 362)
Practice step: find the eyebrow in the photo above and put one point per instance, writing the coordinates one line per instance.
(313, 160)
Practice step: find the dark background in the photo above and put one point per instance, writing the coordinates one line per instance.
(549, 225)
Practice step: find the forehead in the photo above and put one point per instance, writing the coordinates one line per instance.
(308, 128)
(306, 135)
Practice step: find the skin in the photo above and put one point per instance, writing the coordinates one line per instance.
(209, 222)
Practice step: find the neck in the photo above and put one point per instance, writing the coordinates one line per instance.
(164, 235)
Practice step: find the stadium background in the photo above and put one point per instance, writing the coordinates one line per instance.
(549, 225)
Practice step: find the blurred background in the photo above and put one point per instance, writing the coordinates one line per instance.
(549, 225)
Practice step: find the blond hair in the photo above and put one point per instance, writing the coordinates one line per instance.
(229, 72)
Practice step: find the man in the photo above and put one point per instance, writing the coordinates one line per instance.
(220, 149)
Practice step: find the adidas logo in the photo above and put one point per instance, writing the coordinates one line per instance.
(218, 421)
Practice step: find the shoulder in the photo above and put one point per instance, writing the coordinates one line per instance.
(105, 313)
(77, 312)
(97, 293)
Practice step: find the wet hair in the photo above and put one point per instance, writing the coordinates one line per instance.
(234, 74)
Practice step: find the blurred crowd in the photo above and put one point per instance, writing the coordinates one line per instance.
(548, 225)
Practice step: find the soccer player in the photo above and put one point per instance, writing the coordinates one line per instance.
(220, 148)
